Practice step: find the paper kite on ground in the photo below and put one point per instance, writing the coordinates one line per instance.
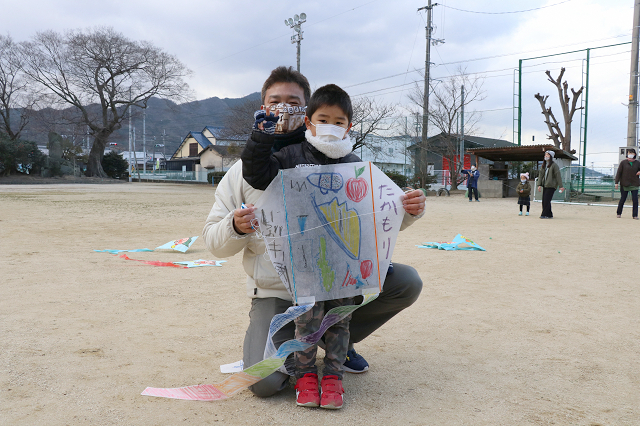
(458, 243)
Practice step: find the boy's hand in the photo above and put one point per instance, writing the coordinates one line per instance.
(242, 219)
(414, 202)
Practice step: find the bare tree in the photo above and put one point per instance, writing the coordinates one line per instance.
(103, 75)
(239, 122)
(16, 95)
(370, 118)
(569, 107)
(445, 109)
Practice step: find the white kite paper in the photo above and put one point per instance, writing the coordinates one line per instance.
(181, 245)
(330, 230)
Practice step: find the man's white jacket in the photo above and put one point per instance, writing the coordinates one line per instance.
(223, 241)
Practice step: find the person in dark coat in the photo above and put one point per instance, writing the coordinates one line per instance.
(628, 172)
(472, 182)
(548, 180)
(523, 190)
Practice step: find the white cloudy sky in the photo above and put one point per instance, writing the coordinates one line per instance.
(232, 45)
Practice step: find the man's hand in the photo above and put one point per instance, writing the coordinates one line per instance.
(616, 186)
(265, 121)
(413, 202)
(242, 219)
(539, 188)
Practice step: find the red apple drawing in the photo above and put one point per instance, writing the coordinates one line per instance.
(356, 188)
(366, 266)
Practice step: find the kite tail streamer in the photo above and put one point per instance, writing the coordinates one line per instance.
(259, 371)
(153, 262)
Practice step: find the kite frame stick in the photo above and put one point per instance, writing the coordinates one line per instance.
(286, 219)
(375, 227)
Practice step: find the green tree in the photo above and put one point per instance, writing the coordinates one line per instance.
(19, 156)
(114, 165)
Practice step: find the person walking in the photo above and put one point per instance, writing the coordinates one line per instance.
(548, 180)
(628, 172)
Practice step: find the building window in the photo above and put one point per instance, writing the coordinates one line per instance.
(390, 150)
(193, 149)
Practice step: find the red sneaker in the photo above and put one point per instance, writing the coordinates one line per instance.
(331, 392)
(307, 394)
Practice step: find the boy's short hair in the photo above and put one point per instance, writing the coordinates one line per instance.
(330, 95)
(283, 74)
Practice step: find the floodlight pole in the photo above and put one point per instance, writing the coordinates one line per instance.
(295, 23)
(632, 127)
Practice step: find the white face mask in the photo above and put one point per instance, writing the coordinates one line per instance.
(523, 180)
(331, 146)
(547, 159)
(329, 132)
(631, 156)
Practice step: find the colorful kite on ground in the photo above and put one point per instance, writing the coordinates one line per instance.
(121, 251)
(458, 243)
(326, 240)
(201, 262)
(181, 245)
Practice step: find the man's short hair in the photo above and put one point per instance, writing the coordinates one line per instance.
(287, 75)
(330, 95)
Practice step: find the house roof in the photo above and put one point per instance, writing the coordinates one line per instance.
(200, 138)
(519, 153)
(469, 140)
(224, 150)
(214, 130)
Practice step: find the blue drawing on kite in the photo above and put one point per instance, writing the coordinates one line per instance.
(342, 225)
(302, 220)
(326, 181)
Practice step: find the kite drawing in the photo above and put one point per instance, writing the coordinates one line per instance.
(329, 240)
(181, 245)
(459, 243)
(326, 241)
(325, 182)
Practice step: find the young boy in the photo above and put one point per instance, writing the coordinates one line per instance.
(328, 121)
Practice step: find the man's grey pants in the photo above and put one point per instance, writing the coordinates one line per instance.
(400, 290)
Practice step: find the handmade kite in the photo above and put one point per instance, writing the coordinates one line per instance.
(330, 233)
(200, 262)
(181, 245)
(330, 230)
(458, 243)
(121, 251)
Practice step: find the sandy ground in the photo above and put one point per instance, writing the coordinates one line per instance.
(543, 328)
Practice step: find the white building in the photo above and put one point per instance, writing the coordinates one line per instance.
(388, 153)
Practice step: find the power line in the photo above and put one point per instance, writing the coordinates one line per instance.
(480, 59)
(504, 13)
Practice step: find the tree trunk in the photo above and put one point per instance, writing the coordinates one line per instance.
(94, 167)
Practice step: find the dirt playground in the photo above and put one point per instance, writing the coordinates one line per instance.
(543, 328)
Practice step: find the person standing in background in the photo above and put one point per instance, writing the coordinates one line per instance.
(627, 174)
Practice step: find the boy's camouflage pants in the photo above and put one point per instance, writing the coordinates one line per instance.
(336, 339)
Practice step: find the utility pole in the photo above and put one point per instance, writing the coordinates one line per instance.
(144, 138)
(130, 169)
(632, 127)
(295, 23)
(425, 102)
(461, 127)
